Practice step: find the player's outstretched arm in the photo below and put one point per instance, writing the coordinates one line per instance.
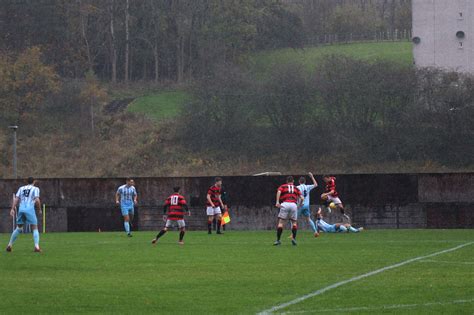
(210, 201)
(319, 214)
(16, 200)
(300, 200)
(135, 198)
(38, 206)
(117, 197)
(315, 183)
(186, 208)
(277, 204)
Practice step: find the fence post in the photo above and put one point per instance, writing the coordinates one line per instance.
(44, 218)
(398, 217)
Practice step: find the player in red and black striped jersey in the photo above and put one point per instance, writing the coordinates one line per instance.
(174, 210)
(331, 194)
(288, 198)
(214, 204)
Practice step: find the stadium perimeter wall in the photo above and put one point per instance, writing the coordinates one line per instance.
(374, 201)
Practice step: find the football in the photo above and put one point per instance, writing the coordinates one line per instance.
(332, 205)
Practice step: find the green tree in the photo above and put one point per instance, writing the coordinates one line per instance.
(284, 99)
(93, 95)
(366, 104)
(25, 81)
(221, 115)
(277, 26)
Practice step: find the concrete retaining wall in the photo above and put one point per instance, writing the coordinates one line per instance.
(374, 201)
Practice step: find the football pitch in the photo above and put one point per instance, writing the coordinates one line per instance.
(377, 271)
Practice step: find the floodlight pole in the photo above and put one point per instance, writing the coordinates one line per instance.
(15, 171)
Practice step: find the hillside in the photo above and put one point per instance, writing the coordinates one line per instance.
(400, 52)
(229, 129)
(159, 105)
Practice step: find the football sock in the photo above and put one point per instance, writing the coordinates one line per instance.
(342, 228)
(294, 229)
(160, 234)
(219, 225)
(209, 225)
(36, 237)
(279, 231)
(311, 223)
(181, 235)
(15, 235)
(127, 227)
(353, 229)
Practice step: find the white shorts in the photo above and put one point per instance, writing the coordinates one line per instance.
(213, 211)
(336, 200)
(288, 210)
(171, 223)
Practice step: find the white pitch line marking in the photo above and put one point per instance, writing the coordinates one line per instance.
(365, 275)
(447, 262)
(383, 307)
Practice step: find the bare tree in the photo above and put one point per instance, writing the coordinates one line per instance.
(84, 35)
(127, 40)
(113, 46)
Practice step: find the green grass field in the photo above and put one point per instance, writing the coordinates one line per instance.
(161, 105)
(400, 52)
(238, 273)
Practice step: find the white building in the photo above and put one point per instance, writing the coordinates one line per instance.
(443, 34)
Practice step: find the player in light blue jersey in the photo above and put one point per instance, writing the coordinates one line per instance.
(304, 210)
(127, 198)
(323, 226)
(28, 199)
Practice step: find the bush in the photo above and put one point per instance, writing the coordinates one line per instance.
(363, 112)
(221, 113)
(366, 105)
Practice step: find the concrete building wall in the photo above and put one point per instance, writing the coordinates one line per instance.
(435, 23)
(373, 201)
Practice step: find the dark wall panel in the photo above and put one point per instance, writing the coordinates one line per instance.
(449, 215)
